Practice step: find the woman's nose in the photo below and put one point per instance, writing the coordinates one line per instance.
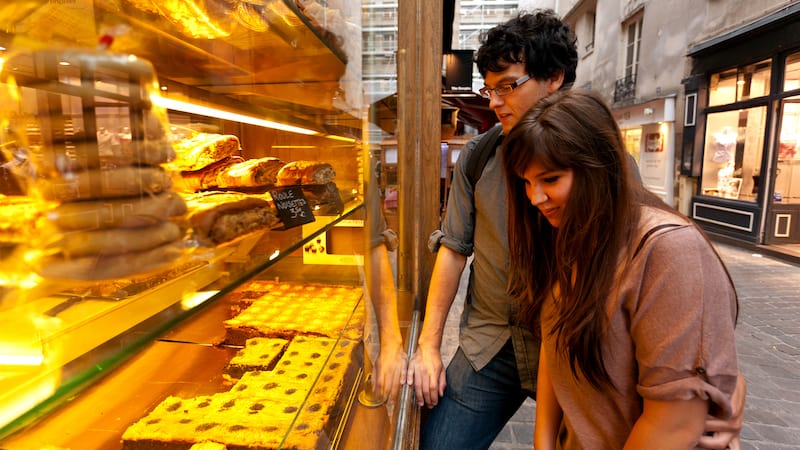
(537, 196)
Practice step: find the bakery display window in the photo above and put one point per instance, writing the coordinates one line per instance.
(183, 225)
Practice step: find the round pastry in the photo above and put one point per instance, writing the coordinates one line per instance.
(120, 212)
(54, 159)
(113, 241)
(106, 267)
(105, 183)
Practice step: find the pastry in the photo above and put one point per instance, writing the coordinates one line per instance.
(218, 217)
(257, 354)
(114, 241)
(105, 267)
(305, 172)
(203, 149)
(131, 212)
(105, 183)
(313, 310)
(250, 173)
(205, 178)
(259, 410)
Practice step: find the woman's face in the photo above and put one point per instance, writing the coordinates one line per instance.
(548, 190)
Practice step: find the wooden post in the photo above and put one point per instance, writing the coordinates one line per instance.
(419, 86)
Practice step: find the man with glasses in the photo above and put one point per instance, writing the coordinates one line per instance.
(494, 369)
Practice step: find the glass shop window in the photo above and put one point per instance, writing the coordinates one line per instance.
(734, 145)
(791, 76)
(787, 175)
(743, 83)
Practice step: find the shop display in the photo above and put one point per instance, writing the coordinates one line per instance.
(75, 174)
(258, 354)
(305, 172)
(202, 149)
(218, 217)
(289, 310)
(205, 178)
(18, 216)
(261, 406)
(251, 173)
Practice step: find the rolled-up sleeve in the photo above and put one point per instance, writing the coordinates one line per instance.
(458, 227)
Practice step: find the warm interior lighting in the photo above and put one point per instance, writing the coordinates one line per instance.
(194, 299)
(177, 105)
(340, 138)
(21, 360)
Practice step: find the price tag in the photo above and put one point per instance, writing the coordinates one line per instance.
(293, 208)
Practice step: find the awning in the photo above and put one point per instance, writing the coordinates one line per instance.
(473, 110)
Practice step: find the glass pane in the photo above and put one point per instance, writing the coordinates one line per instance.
(753, 81)
(791, 77)
(722, 88)
(732, 160)
(787, 177)
(632, 139)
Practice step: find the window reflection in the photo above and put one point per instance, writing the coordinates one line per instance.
(743, 83)
(791, 78)
(787, 175)
(734, 145)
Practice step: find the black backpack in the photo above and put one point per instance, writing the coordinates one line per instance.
(483, 151)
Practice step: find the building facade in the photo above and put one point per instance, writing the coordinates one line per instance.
(706, 94)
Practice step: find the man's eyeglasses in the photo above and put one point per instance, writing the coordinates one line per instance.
(503, 89)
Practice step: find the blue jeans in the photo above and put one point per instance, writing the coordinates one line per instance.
(476, 405)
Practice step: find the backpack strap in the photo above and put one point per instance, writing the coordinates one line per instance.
(650, 233)
(483, 151)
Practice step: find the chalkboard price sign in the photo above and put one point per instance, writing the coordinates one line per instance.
(293, 208)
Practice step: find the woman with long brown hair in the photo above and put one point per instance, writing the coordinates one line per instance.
(635, 309)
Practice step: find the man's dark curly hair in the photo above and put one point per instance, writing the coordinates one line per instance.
(539, 39)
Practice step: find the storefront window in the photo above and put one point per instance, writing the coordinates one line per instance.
(632, 138)
(787, 175)
(734, 144)
(743, 83)
(791, 78)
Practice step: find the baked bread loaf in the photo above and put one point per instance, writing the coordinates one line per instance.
(218, 217)
(305, 172)
(205, 178)
(203, 149)
(250, 173)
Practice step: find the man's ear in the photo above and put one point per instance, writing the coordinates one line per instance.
(555, 82)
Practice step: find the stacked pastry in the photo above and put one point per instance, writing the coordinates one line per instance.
(288, 407)
(288, 389)
(113, 211)
(285, 310)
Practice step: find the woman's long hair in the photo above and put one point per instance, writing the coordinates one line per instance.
(572, 130)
